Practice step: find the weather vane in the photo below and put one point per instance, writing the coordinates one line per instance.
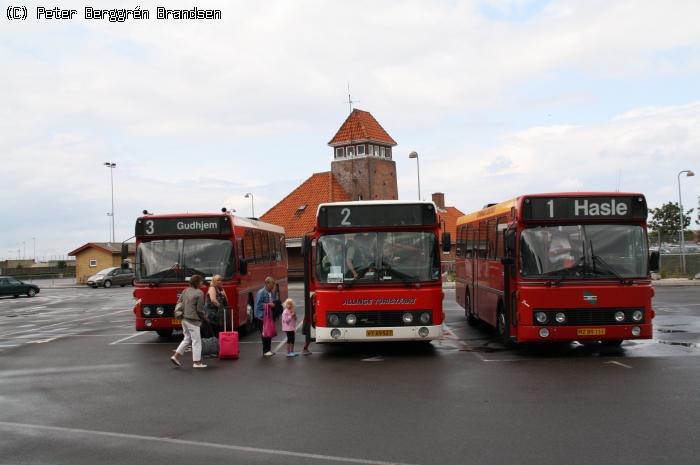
(350, 100)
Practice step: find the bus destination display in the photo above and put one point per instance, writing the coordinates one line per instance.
(357, 216)
(190, 226)
(589, 208)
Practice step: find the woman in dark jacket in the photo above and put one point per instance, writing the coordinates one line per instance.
(193, 301)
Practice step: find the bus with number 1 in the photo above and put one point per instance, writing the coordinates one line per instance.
(372, 272)
(558, 267)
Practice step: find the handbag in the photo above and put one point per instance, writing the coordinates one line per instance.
(268, 329)
(179, 309)
(277, 309)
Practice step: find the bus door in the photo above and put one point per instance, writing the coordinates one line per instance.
(308, 246)
(508, 261)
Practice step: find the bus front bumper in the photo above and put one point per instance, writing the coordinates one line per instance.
(155, 323)
(402, 333)
(583, 333)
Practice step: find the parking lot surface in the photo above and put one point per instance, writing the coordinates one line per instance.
(79, 385)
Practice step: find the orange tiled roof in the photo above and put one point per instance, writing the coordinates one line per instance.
(114, 248)
(449, 215)
(361, 126)
(319, 188)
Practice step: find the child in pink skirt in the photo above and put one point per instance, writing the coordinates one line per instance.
(289, 325)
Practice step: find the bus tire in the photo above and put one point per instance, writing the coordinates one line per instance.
(472, 320)
(164, 332)
(502, 326)
(611, 344)
(250, 317)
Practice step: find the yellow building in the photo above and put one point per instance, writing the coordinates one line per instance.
(96, 256)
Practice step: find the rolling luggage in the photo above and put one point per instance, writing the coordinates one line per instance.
(228, 342)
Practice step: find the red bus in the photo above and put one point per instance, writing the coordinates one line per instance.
(558, 267)
(372, 272)
(171, 248)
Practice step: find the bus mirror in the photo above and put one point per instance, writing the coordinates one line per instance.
(243, 266)
(304, 246)
(125, 255)
(446, 242)
(509, 242)
(654, 261)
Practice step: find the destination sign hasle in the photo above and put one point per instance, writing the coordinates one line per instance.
(193, 226)
(571, 208)
(356, 216)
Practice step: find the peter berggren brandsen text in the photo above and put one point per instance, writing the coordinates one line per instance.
(120, 15)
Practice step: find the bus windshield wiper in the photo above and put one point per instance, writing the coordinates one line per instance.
(597, 259)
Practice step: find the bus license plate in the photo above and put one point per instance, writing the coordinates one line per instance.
(591, 332)
(175, 322)
(380, 332)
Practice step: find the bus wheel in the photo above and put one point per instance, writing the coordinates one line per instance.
(164, 332)
(471, 319)
(502, 327)
(615, 343)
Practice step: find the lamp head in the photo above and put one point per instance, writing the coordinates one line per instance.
(690, 173)
(413, 154)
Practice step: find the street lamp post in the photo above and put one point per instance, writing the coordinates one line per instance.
(252, 203)
(111, 167)
(681, 227)
(415, 155)
(34, 239)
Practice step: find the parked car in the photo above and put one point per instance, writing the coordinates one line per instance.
(15, 287)
(112, 276)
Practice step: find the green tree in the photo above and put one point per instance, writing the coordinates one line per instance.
(666, 219)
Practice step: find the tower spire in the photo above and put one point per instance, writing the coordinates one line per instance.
(350, 100)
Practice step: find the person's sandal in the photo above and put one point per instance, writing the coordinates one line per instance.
(199, 365)
(175, 361)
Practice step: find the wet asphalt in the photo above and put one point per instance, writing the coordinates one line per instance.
(78, 385)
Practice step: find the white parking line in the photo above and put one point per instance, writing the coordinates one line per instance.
(140, 333)
(182, 442)
(67, 322)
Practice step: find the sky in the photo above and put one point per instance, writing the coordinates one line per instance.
(499, 98)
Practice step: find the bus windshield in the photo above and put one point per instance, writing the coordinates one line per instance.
(584, 251)
(371, 257)
(176, 259)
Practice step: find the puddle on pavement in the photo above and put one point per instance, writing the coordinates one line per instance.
(669, 330)
(688, 345)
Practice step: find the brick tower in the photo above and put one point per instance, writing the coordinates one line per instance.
(362, 161)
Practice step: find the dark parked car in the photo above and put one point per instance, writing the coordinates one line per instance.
(15, 287)
(112, 276)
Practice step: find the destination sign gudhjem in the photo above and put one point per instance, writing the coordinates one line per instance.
(182, 226)
(586, 207)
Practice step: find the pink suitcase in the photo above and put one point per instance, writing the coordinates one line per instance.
(228, 344)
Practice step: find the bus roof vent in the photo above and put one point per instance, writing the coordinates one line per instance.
(489, 205)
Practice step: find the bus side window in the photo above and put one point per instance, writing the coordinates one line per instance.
(501, 226)
(458, 242)
(491, 250)
(265, 246)
(483, 239)
(271, 239)
(248, 250)
(283, 249)
(257, 251)
(468, 241)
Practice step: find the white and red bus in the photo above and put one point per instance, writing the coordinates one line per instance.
(558, 267)
(372, 272)
(172, 248)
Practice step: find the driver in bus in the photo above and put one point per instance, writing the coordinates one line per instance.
(358, 249)
(560, 252)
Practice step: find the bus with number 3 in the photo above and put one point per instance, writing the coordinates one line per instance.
(372, 272)
(172, 248)
(558, 267)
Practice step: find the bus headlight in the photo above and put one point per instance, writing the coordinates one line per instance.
(636, 331)
(425, 318)
(541, 317)
(407, 318)
(149, 323)
(423, 332)
(160, 311)
(351, 319)
(147, 311)
(544, 332)
(335, 333)
(334, 320)
(560, 317)
(619, 317)
(637, 315)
